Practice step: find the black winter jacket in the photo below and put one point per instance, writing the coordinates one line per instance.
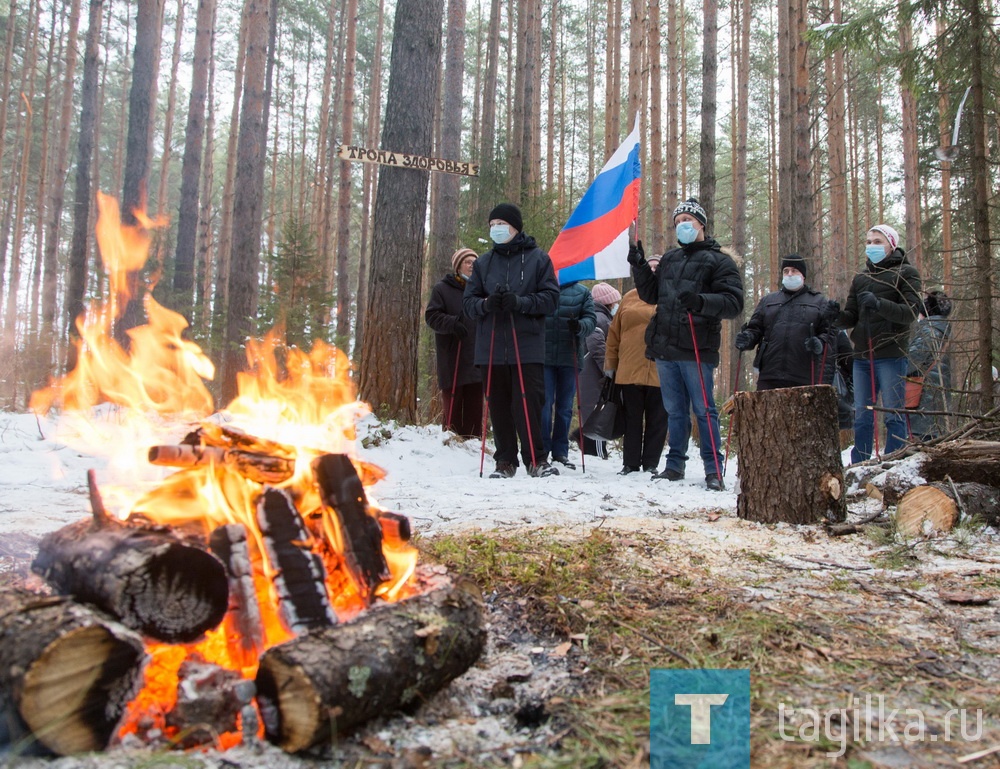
(779, 328)
(702, 268)
(896, 283)
(576, 302)
(444, 314)
(522, 267)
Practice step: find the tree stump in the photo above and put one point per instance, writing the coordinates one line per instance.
(942, 505)
(790, 468)
(67, 673)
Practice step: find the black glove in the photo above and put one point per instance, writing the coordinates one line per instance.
(690, 301)
(636, 255)
(574, 326)
(867, 301)
(493, 301)
(814, 345)
(461, 330)
(508, 302)
(743, 341)
(832, 311)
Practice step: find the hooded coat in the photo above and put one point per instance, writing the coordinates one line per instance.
(444, 313)
(626, 350)
(896, 283)
(702, 268)
(592, 373)
(522, 267)
(928, 358)
(575, 302)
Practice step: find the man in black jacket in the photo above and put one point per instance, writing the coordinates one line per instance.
(793, 331)
(694, 289)
(512, 288)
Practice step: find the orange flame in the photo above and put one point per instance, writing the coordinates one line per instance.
(304, 403)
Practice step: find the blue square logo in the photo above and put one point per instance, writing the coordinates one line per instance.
(699, 719)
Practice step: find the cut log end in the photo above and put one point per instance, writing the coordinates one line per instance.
(78, 688)
(925, 506)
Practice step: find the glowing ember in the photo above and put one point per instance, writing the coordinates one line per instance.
(292, 407)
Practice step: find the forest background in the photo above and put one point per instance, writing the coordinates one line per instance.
(798, 125)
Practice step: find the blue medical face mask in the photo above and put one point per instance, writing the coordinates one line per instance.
(792, 282)
(501, 233)
(686, 233)
(875, 252)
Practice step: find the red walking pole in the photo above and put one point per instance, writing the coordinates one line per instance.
(704, 395)
(486, 395)
(454, 384)
(729, 436)
(579, 410)
(524, 402)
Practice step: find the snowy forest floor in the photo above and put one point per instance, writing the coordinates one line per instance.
(591, 580)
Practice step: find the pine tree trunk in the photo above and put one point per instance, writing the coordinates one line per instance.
(205, 256)
(389, 352)
(194, 135)
(248, 199)
(343, 333)
(654, 224)
(489, 184)
(142, 100)
(709, 101)
(444, 236)
(369, 181)
(85, 156)
(789, 449)
(911, 152)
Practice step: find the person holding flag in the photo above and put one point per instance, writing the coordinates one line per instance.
(694, 289)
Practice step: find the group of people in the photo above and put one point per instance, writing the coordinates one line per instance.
(507, 329)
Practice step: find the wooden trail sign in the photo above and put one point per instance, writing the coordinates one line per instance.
(403, 160)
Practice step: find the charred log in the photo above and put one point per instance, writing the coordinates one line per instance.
(219, 436)
(244, 625)
(300, 576)
(144, 576)
(343, 493)
(939, 506)
(328, 682)
(395, 527)
(67, 673)
(210, 701)
(796, 474)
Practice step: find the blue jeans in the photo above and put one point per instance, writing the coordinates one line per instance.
(681, 387)
(560, 389)
(890, 382)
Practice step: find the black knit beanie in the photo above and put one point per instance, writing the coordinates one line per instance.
(509, 213)
(795, 261)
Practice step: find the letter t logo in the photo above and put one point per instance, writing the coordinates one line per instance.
(701, 714)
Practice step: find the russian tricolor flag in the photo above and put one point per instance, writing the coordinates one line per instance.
(593, 245)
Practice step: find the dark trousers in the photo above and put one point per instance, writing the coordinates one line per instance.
(465, 406)
(507, 412)
(645, 426)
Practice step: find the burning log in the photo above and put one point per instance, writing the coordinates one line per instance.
(210, 700)
(244, 624)
(344, 494)
(144, 576)
(66, 673)
(261, 468)
(328, 682)
(300, 575)
(395, 527)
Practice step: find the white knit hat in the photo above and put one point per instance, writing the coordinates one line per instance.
(890, 234)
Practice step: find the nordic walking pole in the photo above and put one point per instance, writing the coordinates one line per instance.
(454, 384)
(704, 395)
(871, 373)
(729, 436)
(579, 409)
(524, 401)
(486, 396)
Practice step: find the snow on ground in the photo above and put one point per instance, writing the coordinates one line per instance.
(434, 479)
